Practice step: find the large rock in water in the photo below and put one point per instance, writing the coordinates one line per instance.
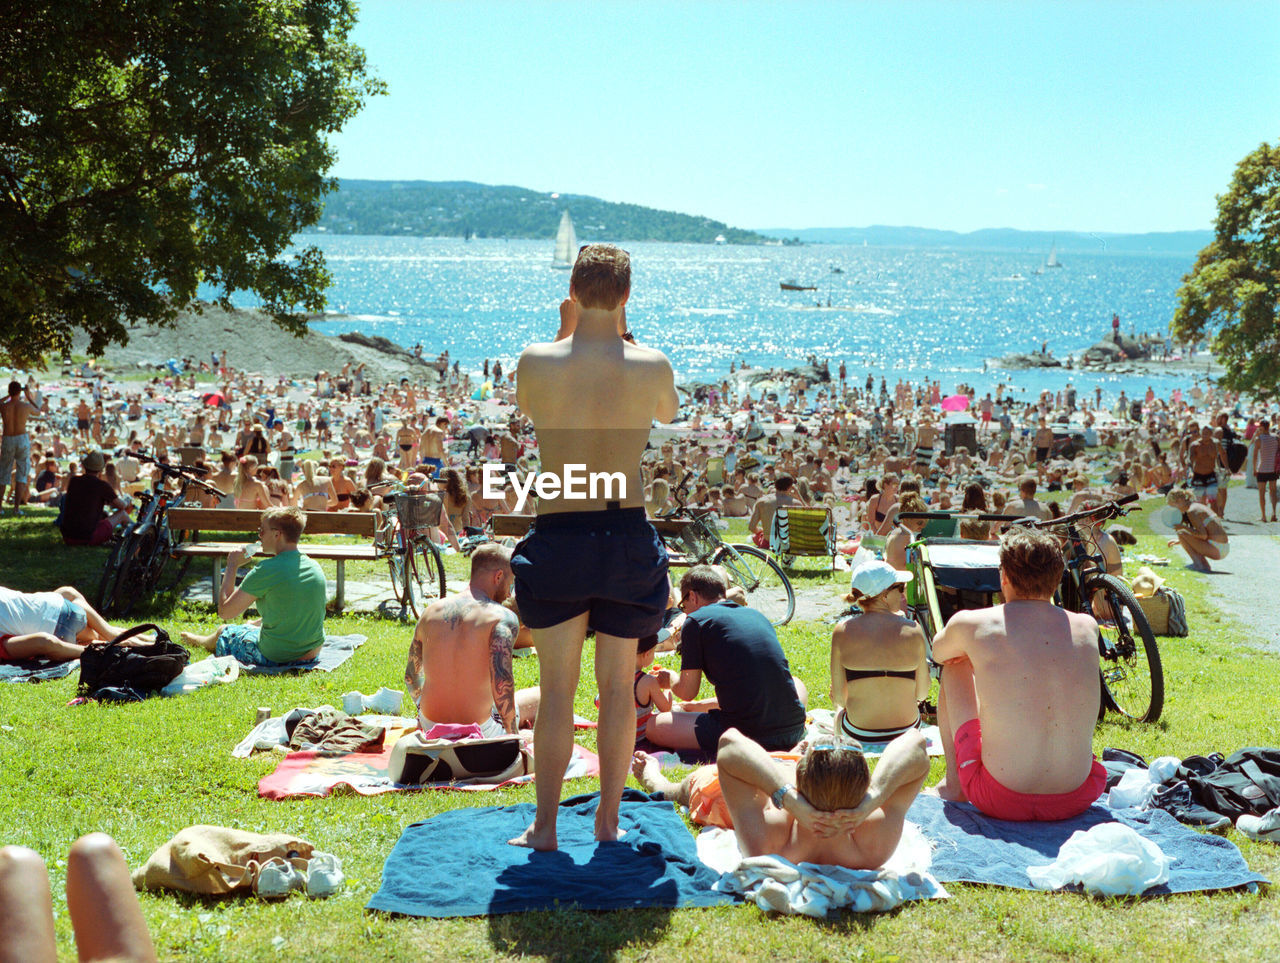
(1031, 360)
(813, 374)
(1108, 351)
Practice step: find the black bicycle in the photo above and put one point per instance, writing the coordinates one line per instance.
(409, 516)
(138, 559)
(1132, 675)
(766, 586)
(959, 573)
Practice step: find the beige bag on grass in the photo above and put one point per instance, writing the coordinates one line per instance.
(215, 860)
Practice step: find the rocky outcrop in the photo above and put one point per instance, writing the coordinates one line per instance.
(1033, 359)
(1112, 351)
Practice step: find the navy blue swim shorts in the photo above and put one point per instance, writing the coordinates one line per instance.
(610, 564)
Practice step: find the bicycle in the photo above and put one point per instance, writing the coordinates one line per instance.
(139, 557)
(404, 539)
(766, 585)
(1132, 674)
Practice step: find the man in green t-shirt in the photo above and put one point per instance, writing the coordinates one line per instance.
(289, 591)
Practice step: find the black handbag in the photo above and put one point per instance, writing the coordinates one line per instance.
(146, 668)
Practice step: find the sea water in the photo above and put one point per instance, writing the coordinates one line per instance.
(891, 312)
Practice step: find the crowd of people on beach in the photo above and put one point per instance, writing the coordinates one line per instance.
(867, 451)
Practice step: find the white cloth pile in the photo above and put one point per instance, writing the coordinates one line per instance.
(809, 889)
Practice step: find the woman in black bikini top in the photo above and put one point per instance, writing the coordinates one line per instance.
(879, 672)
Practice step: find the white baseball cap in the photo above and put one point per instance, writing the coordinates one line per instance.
(872, 578)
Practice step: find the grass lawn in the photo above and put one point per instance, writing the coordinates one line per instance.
(143, 772)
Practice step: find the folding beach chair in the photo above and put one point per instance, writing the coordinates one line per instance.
(803, 531)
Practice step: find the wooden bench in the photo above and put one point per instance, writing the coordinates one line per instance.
(199, 521)
(517, 526)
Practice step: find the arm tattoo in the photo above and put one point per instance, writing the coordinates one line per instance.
(414, 673)
(504, 685)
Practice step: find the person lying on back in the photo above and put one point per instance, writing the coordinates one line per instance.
(819, 807)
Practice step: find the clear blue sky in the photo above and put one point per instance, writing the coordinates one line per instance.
(1091, 116)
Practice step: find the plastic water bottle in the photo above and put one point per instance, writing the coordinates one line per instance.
(252, 549)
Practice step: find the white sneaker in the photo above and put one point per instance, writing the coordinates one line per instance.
(1265, 829)
(324, 875)
(353, 703)
(385, 702)
(277, 879)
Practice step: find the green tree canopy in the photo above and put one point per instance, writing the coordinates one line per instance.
(1233, 292)
(147, 146)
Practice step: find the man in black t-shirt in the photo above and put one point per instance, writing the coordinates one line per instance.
(738, 651)
(82, 519)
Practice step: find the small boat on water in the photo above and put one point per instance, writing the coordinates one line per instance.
(1052, 261)
(791, 284)
(721, 239)
(566, 244)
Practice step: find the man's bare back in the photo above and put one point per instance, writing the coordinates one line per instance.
(456, 671)
(1035, 673)
(432, 443)
(592, 398)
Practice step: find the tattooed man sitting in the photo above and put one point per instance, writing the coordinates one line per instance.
(459, 668)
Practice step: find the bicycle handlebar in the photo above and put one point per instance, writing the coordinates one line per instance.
(1109, 509)
(191, 475)
(947, 516)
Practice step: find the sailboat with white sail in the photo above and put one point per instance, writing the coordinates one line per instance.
(1052, 261)
(566, 243)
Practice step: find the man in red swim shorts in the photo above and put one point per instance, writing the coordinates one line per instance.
(1019, 696)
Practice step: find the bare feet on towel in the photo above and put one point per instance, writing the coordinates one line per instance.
(536, 837)
(607, 832)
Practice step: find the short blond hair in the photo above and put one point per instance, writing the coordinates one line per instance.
(290, 521)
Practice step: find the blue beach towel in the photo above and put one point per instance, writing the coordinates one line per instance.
(335, 651)
(972, 848)
(36, 670)
(460, 864)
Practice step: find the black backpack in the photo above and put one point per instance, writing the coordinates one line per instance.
(1248, 781)
(145, 668)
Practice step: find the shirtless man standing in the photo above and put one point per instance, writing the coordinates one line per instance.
(1019, 695)
(591, 562)
(15, 446)
(1043, 441)
(926, 435)
(459, 668)
(431, 445)
(761, 522)
(1204, 455)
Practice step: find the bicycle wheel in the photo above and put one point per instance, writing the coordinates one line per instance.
(1132, 676)
(177, 565)
(768, 589)
(134, 579)
(393, 544)
(424, 576)
(111, 574)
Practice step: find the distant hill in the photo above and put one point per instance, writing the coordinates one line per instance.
(462, 208)
(1004, 239)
